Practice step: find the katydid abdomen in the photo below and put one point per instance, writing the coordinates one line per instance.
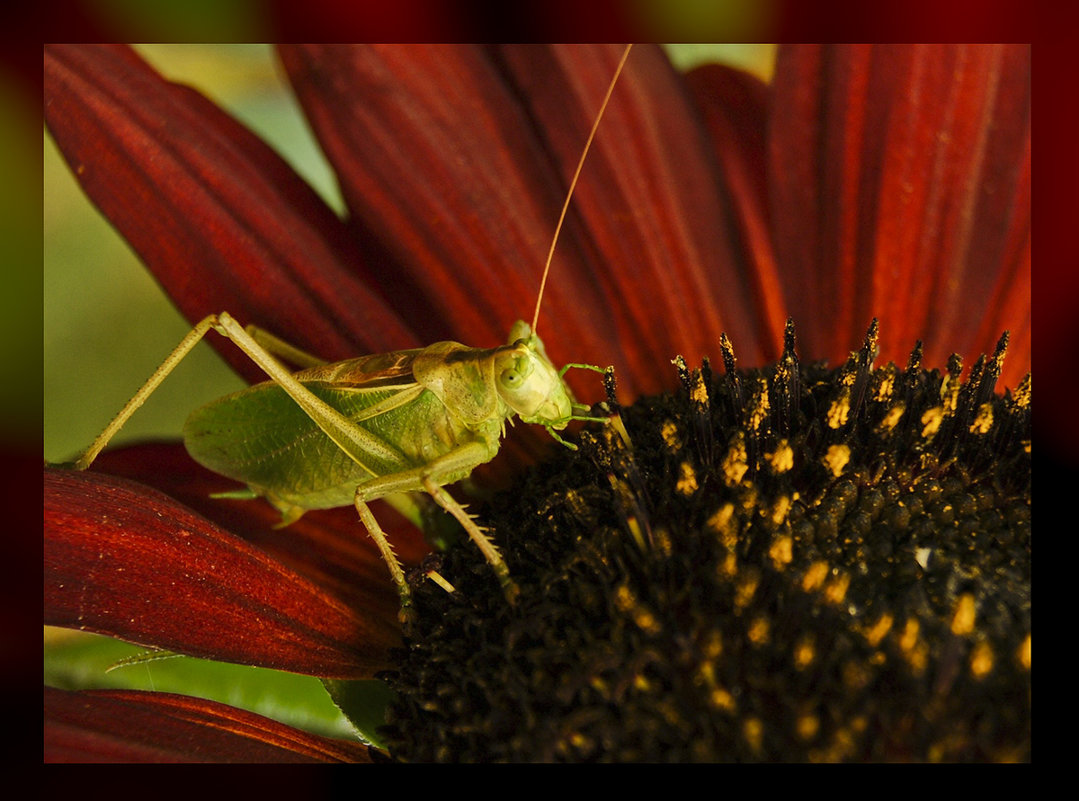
(260, 437)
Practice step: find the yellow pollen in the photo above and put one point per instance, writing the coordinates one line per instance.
(836, 459)
(839, 411)
(815, 576)
(1021, 396)
(744, 592)
(981, 660)
(1024, 653)
(753, 731)
(804, 653)
(807, 726)
(669, 432)
(713, 646)
(646, 621)
(780, 510)
(914, 649)
(949, 393)
(887, 386)
(963, 619)
(721, 699)
(699, 393)
(836, 590)
(728, 568)
(891, 418)
(782, 552)
(782, 459)
(880, 628)
(984, 421)
(909, 638)
(687, 482)
(758, 631)
(931, 421)
(759, 405)
(724, 525)
(734, 464)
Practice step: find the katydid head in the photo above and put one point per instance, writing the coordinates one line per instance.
(529, 383)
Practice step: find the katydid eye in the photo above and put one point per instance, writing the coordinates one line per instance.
(514, 376)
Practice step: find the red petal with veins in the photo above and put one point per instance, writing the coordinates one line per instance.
(216, 215)
(125, 560)
(329, 547)
(735, 105)
(131, 726)
(901, 182)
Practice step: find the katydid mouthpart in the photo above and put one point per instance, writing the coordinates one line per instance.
(376, 426)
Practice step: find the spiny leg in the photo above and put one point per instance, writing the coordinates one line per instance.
(483, 542)
(406, 613)
(427, 477)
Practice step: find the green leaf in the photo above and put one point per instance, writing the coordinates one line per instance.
(364, 703)
(75, 661)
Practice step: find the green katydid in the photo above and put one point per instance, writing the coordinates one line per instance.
(375, 426)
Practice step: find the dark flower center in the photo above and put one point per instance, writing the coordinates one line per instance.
(788, 563)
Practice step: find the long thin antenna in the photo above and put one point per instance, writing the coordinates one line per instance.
(573, 184)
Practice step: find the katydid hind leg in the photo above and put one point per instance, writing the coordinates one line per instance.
(178, 354)
(352, 439)
(224, 324)
(282, 349)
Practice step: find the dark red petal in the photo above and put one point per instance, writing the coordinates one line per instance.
(125, 560)
(901, 181)
(329, 547)
(220, 219)
(735, 108)
(131, 726)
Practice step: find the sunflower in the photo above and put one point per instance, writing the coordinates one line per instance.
(886, 184)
